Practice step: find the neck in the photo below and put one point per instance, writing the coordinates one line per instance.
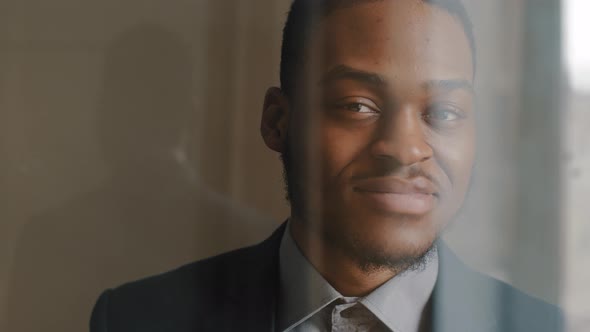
(339, 269)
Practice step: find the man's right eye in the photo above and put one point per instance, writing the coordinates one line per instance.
(359, 105)
(360, 108)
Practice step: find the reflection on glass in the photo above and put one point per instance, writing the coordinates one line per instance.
(420, 141)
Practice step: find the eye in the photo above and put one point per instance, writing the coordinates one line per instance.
(360, 108)
(446, 113)
(354, 108)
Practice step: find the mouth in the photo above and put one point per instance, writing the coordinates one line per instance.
(413, 197)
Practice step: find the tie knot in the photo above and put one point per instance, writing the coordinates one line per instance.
(350, 315)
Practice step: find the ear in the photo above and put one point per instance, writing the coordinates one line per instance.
(275, 119)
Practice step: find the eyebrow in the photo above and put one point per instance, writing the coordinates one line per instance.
(342, 72)
(450, 85)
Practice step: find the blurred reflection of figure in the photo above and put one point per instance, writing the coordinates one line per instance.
(153, 213)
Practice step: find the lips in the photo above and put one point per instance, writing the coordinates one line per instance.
(416, 196)
(397, 186)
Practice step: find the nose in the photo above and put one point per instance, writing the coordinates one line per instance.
(402, 138)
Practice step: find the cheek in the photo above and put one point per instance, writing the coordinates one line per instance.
(455, 156)
(340, 148)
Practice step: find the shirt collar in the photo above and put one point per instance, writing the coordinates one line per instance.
(399, 303)
(303, 291)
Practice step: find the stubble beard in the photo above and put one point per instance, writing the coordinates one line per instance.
(370, 258)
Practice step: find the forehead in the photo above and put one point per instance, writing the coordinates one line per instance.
(406, 39)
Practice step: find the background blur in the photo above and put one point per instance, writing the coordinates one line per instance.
(129, 145)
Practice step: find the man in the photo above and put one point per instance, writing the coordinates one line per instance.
(375, 123)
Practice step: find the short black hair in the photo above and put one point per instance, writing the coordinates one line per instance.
(304, 12)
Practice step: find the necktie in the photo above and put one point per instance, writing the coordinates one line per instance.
(349, 315)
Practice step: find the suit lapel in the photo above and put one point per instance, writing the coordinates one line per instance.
(253, 287)
(463, 300)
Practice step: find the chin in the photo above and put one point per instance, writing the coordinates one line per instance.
(394, 242)
(409, 238)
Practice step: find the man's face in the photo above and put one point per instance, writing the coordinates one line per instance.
(386, 126)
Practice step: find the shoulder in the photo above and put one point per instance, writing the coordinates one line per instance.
(160, 302)
(210, 271)
(178, 282)
(175, 300)
(222, 293)
(479, 300)
(522, 312)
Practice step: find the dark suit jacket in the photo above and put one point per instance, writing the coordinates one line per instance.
(236, 291)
